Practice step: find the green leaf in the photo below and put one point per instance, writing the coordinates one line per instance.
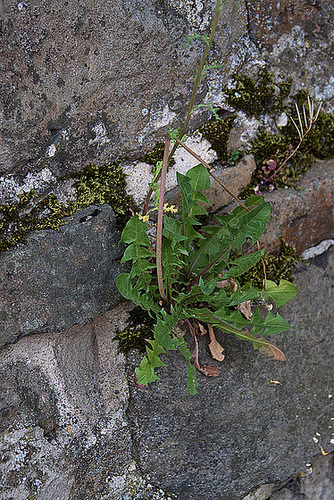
(242, 264)
(124, 286)
(135, 252)
(257, 322)
(191, 370)
(239, 296)
(275, 324)
(164, 327)
(282, 293)
(199, 177)
(207, 287)
(145, 373)
(135, 231)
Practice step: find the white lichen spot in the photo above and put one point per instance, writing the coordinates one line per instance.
(101, 136)
(138, 177)
(317, 250)
(144, 111)
(20, 6)
(282, 120)
(51, 151)
(158, 119)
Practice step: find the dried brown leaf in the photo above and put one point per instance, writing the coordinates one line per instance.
(202, 330)
(271, 350)
(210, 371)
(215, 348)
(245, 309)
(230, 283)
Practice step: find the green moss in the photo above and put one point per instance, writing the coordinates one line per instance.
(256, 98)
(217, 132)
(140, 327)
(94, 185)
(156, 154)
(318, 144)
(277, 266)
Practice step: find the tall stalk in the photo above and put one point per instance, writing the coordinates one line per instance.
(192, 97)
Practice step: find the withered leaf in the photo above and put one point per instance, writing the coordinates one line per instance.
(210, 371)
(230, 283)
(245, 309)
(202, 330)
(215, 348)
(271, 350)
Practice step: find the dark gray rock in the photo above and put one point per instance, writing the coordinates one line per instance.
(90, 82)
(60, 278)
(242, 430)
(64, 433)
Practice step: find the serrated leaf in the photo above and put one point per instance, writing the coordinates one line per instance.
(242, 264)
(207, 287)
(163, 328)
(191, 370)
(145, 373)
(135, 231)
(275, 324)
(280, 294)
(257, 322)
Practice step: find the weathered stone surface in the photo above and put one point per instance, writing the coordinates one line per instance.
(318, 484)
(269, 20)
(235, 178)
(60, 278)
(241, 430)
(303, 217)
(89, 81)
(64, 433)
(62, 410)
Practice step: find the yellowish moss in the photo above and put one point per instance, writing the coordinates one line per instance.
(94, 185)
(277, 267)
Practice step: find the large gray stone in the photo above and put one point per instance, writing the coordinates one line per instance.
(89, 81)
(242, 430)
(64, 433)
(60, 278)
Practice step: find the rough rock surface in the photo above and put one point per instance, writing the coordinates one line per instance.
(242, 430)
(304, 216)
(60, 278)
(89, 81)
(64, 433)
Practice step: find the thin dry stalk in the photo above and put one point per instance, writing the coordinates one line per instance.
(160, 220)
(195, 155)
(309, 124)
(192, 98)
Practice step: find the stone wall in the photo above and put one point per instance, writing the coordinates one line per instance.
(87, 82)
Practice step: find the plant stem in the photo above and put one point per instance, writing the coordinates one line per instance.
(192, 97)
(195, 155)
(160, 220)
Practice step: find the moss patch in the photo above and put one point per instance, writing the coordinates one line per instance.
(277, 267)
(318, 144)
(94, 185)
(140, 327)
(217, 132)
(256, 98)
(156, 154)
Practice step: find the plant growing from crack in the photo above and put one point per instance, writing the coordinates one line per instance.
(188, 277)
